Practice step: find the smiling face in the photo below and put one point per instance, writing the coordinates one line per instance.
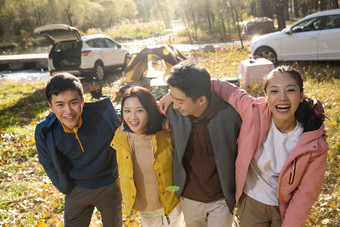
(67, 106)
(135, 115)
(283, 96)
(185, 105)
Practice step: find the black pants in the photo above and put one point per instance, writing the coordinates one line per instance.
(80, 203)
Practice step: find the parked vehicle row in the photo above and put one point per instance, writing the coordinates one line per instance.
(314, 37)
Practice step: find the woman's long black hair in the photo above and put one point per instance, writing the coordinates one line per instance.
(150, 105)
(305, 112)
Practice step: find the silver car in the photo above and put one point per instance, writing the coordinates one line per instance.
(314, 37)
(90, 55)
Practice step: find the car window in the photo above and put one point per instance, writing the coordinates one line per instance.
(65, 46)
(332, 22)
(91, 43)
(102, 43)
(308, 25)
(97, 43)
(111, 43)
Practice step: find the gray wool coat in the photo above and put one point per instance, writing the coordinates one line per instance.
(224, 129)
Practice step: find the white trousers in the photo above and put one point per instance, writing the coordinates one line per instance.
(213, 214)
(156, 218)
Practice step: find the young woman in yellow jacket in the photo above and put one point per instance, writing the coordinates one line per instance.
(145, 156)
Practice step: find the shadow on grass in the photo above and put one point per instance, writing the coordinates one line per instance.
(24, 111)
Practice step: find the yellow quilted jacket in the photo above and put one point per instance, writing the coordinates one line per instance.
(162, 165)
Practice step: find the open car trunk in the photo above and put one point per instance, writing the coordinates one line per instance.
(66, 55)
(67, 43)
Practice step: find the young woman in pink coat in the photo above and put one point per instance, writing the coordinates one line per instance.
(282, 150)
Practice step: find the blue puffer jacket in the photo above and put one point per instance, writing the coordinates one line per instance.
(57, 148)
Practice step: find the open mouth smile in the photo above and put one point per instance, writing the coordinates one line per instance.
(134, 124)
(70, 118)
(282, 108)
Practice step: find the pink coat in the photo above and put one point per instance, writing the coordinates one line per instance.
(302, 175)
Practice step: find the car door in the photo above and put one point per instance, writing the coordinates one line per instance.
(328, 46)
(104, 52)
(57, 33)
(300, 43)
(115, 52)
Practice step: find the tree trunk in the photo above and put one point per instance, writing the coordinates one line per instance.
(335, 4)
(316, 5)
(228, 20)
(2, 24)
(187, 26)
(280, 15)
(236, 21)
(253, 8)
(68, 14)
(208, 19)
(323, 5)
(221, 20)
(265, 9)
(286, 9)
(193, 20)
(304, 9)
(296, 8)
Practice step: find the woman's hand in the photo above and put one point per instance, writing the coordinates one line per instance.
(164, 103)
(166, 125)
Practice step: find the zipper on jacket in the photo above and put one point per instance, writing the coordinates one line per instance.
(167, 219)
(292, 171)
(74, 131)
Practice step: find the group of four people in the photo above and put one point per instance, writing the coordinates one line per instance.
(225, 148)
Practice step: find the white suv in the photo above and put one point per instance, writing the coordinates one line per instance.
(88, 55)
(314, 37)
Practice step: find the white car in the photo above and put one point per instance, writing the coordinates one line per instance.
(88, 55)
(314, 37)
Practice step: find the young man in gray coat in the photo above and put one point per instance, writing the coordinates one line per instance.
(206, 130)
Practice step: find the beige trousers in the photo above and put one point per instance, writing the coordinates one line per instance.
(156, 218)
(213, 214)
(253, 213)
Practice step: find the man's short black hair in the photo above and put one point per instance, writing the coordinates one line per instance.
(190, 78)
(63, 82)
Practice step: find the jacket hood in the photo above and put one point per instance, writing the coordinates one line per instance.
(50, 119)
(310, 142)
(313, 135)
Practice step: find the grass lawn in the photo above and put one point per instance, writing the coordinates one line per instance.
(29, 199)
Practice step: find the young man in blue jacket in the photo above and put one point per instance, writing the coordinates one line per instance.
(206, 130)
(73, 144)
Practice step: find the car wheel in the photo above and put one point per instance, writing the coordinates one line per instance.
(99, 71)
(267, 53)
(127, 60)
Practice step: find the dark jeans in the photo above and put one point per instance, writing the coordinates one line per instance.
(80, 203)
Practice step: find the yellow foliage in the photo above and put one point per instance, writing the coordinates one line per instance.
(41, 224)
